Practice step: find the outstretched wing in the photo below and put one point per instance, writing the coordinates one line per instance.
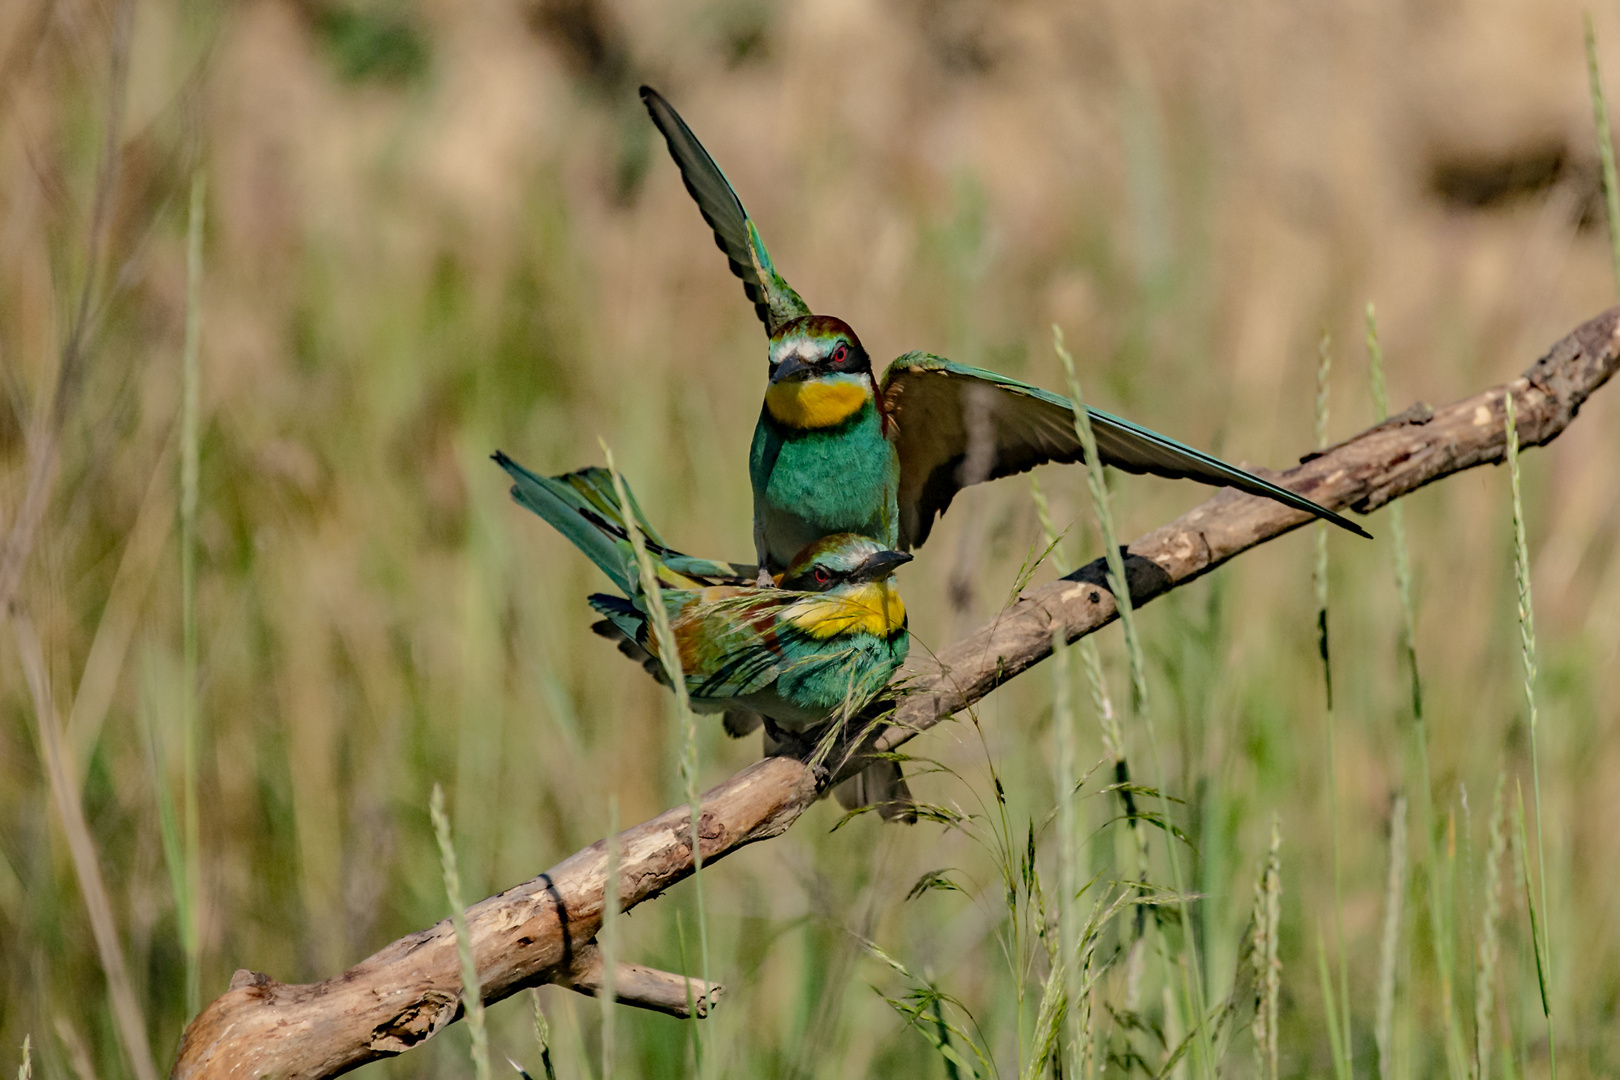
(774, 300)
(956, 425)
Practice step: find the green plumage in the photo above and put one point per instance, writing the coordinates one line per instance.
(763, 648)
(584, 507)
(810, 484)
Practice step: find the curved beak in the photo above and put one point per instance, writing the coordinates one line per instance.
(881, 565)
(791, 368)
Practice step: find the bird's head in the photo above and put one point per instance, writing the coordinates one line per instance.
(854, 577)
(816, 347)
(843, 559)
(820, 374)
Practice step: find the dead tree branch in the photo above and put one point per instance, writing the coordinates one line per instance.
(543, 930)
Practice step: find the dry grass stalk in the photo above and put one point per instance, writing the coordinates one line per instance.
(608, 941)
(70, 810)
(670, 655)
(1490, 946)
(1319, 579)
(472, 999)
(1068, 855)
(191, 378)
(1600, 116)
(1119, 585)
(1527, 644)
(1263, 954)
(1388, 950)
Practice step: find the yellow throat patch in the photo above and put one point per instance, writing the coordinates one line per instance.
(815, 403)
(874, 608)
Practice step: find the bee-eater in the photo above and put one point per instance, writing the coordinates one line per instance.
(836, 451)
(815, 647)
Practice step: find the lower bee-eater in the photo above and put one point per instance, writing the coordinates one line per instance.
(816, 647)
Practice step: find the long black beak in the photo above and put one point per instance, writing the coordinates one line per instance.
(791, 368)
(880, 565)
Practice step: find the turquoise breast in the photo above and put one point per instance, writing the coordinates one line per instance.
(812, 483)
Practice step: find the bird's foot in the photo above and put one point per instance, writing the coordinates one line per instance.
(764, 581)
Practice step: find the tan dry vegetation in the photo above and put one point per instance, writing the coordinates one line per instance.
(485, 247)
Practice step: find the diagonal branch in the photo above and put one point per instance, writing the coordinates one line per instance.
(543, 930)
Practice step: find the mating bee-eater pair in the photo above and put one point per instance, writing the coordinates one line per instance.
(848, 473)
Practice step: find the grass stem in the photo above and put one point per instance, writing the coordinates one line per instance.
(1068, 855)
(1263, 954)
(669, 653)
(1527, 645)
(472, 997)
(1118, 584)
(1319, 578)
(131, 1025)
(607, 939)
(542, 1035)
(1489, 948)
(1388, 947)
(1605, 141)
(191, 908)
(1440, 924)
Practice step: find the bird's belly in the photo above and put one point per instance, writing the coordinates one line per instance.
(821, 483)
(846, 675)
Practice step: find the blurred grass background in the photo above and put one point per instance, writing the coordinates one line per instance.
(434, 229)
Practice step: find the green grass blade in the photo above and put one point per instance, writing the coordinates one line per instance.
(542, 1035)
(1341, 1056)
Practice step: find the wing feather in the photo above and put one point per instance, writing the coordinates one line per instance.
(774, 300)
(956, 425)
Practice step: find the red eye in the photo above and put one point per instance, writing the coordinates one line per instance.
(840, 354)
(819, 575)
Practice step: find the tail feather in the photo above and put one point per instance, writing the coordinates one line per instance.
(883, 785)
(625, 625)
(576, 505)
(584, 507)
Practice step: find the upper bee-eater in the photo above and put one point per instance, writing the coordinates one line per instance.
(837, 451)
(815, 648)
